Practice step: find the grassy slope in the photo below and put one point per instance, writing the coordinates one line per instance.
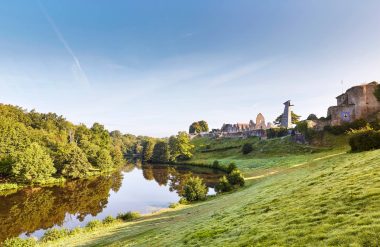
(268, 156)
(326, 201)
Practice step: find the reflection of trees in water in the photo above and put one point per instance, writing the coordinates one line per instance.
(42, 208)
(176, 176)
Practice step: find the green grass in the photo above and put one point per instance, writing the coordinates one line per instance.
(329, 201)
(268, 155)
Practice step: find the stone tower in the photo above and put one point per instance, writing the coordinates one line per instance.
(286, 120)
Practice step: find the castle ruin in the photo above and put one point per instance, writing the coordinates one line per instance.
(358, 102)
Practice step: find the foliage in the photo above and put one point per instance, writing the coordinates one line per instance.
(55, 234)
(34, 164)
(129, 216)
(147, 151)
(377, 92)
(198, 127)
(346, 127)
(18, 242)
(54, 134)
(235, 178)
(364, 139)
(109, 220)
(247, 148)
(161, 152)
(104, 160)
(312, 117)
(223, 185)
(75, 163)
(194, 189)
(93, 224)
(276, 132)
(232, 166)
(295, 119)
(180, 147)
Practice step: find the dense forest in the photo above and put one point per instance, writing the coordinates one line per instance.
(36, 147)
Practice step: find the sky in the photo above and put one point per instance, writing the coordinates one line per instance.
(152, 67)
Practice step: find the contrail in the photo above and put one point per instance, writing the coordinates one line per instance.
(77, 68)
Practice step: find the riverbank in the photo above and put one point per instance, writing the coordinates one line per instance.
(331, 201)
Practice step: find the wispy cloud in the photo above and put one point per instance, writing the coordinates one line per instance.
(76, 68)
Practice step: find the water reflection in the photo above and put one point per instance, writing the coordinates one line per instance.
(36, 209)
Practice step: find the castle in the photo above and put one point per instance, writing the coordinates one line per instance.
(242, 127)
(358, 102)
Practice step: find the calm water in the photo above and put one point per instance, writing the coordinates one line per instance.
(30, 212)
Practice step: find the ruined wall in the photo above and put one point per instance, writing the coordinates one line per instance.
(358, 102)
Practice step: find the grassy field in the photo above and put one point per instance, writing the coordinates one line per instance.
(268, 156)
(324, 198)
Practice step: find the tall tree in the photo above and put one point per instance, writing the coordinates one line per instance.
(295, 119)
(161, 152)
(75, 163)
(198, 127)
(147, 151)
(377, 92)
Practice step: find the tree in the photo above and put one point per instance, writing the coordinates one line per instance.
(236, 178)
(75, 163)
(223, 185)
(161, 152)
(377, 92)
(34, 164)
(312, 117)
(180, 147)
(198, 127)
(295, 119)
(204, 126)
(247, 148)
(147, 151)
(194, 189)
(104, 160)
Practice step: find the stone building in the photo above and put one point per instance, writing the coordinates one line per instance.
(358, 102)
(246, 129)
(286, 119)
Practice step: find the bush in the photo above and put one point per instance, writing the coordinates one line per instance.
(54, 234)
(194, 189)
(364, 140)
(277, 132)
(231, 167)
(18, 242)
(129, 216)
(235, 178)
(346, 127)
(215, 164)
(109, 220)
(223, 185)
(93, 224)
(174, 205)
(247, 148)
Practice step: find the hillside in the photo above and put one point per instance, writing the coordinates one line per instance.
(325, 200)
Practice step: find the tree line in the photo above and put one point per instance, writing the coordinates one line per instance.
(35, 147)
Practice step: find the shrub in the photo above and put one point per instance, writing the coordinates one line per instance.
(194, 189)
(215, 164)
(223, 185)
(54, 234)
(183, 201)
(18, 242)
(247, 148)
(109, 220)
(235, 178)
(93, 224)
(129, 216)
(277, 132)
(231, 167)
(364, 140)
(174, 205)
(344, 128)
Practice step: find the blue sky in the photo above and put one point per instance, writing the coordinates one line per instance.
(153, 67)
